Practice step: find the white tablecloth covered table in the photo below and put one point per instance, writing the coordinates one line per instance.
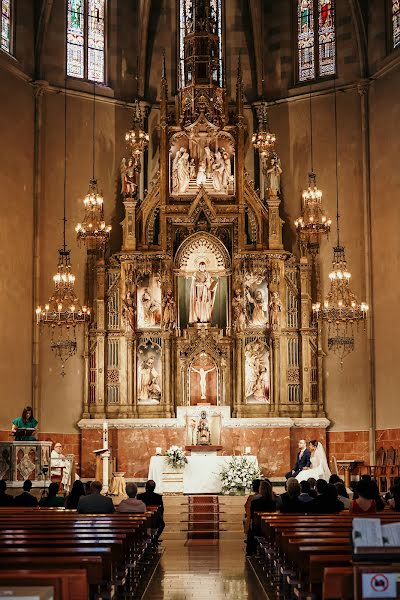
(201, 475)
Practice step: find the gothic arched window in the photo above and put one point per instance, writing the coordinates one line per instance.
(395, 23)
(6, 25)
(187, 18)
(316, 42)
(86, 40)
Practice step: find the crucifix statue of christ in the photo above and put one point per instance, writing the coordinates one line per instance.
(203, 379)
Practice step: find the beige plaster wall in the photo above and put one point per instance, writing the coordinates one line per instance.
(16, 218)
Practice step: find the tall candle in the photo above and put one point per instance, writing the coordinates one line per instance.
(247, 450)
(105, 435)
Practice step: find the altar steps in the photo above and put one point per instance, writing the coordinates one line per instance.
(178, 518)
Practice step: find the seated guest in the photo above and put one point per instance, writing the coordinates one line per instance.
(343, 496)
(255, 487)
(394, 502)
(52, 499)
(389, 494)
(335, 479)
(26, 498)
(150, 498)
(313, 491)
(5, 499)
(95, 502)
(131, 504)
(326, 500)
(364, 503)
(289, 501)
(87, 487)
(379, 503)
(305, 495)
(303, 460)
(263, 502)
(77, 490)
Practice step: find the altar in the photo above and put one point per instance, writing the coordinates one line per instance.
(201, 475)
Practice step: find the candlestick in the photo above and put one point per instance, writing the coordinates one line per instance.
(105, 435)
(247, 450)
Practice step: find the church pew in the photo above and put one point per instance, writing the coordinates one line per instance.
(91, 564)
(338, 583)
(68, 584)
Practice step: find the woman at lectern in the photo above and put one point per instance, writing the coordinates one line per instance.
(28, 422)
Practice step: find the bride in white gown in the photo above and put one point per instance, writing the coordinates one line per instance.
(319, 465)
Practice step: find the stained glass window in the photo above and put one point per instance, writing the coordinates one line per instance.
(396, 23)
(86, 39)
(6, 25)
(305, 39)
(316, 47)
(326, 37)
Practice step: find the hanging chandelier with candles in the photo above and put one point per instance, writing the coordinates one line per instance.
(340, 310)
(263, 140)
(136, 138)
(93, 231)
(63, 311)
(313, 224)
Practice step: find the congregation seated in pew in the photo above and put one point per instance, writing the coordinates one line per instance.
(95, 502)
(131, 504)
(151, 498)
(5, 499)
(26, 498)
(77, 490)
(52, 499)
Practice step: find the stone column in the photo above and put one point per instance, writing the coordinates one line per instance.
(98, 408)
(309, 410)
(239, 379)
(85, 413)
(167, 375)
(129, 226)
(130, 375)
(274, 223)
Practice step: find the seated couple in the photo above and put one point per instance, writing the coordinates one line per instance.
(311, 462)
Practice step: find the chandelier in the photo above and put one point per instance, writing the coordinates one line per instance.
(136, 138)
(313, 223)
(263, 140)
(93, 231)
(340, 310)
(63, 311)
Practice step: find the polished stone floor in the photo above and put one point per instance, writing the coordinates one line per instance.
(203, 573)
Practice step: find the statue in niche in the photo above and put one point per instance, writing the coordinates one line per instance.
(239, 312)
(201, 174)
(257, 373)
(169, 312)
(257, 307)
(203, 430)
(175, 182)
(202, 295)
(273, 175)
(218, 172)
(183, 173)
(151, 312)
(148, 380)
(128, 311)
(192, 169)
(275, 308)
(128, 178)
(209, 159)
(202, 373)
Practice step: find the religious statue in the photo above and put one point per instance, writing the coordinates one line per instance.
(182, 169)
(192, 169)
(201, 174)
(258, 309)
(218, 171)
(239, 312)
(148, 381)
(202, 295)
(128, 178)
(257, 373)
(261, 387)
(203, 430)
(169, 312)
(273, 176)
(275, 308)
(202, 373)
(175, 182)
(150, 309)
(209, 161)
(128, 311)
(228, 170)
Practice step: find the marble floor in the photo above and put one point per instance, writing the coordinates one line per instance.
(203, 572)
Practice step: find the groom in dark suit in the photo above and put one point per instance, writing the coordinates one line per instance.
(303, 459)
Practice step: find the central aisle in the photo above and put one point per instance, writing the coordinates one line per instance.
(204, 572)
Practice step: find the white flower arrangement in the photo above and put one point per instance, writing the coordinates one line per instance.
(175, 457)
(238, 475)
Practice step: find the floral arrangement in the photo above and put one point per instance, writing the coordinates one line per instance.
(238, 474)
(175, 457)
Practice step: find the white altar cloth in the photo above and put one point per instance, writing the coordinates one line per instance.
(201, 475)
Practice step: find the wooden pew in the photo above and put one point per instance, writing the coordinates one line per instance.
(68, 584)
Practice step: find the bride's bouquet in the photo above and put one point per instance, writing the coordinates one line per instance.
(175, 457)
(238, 475)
